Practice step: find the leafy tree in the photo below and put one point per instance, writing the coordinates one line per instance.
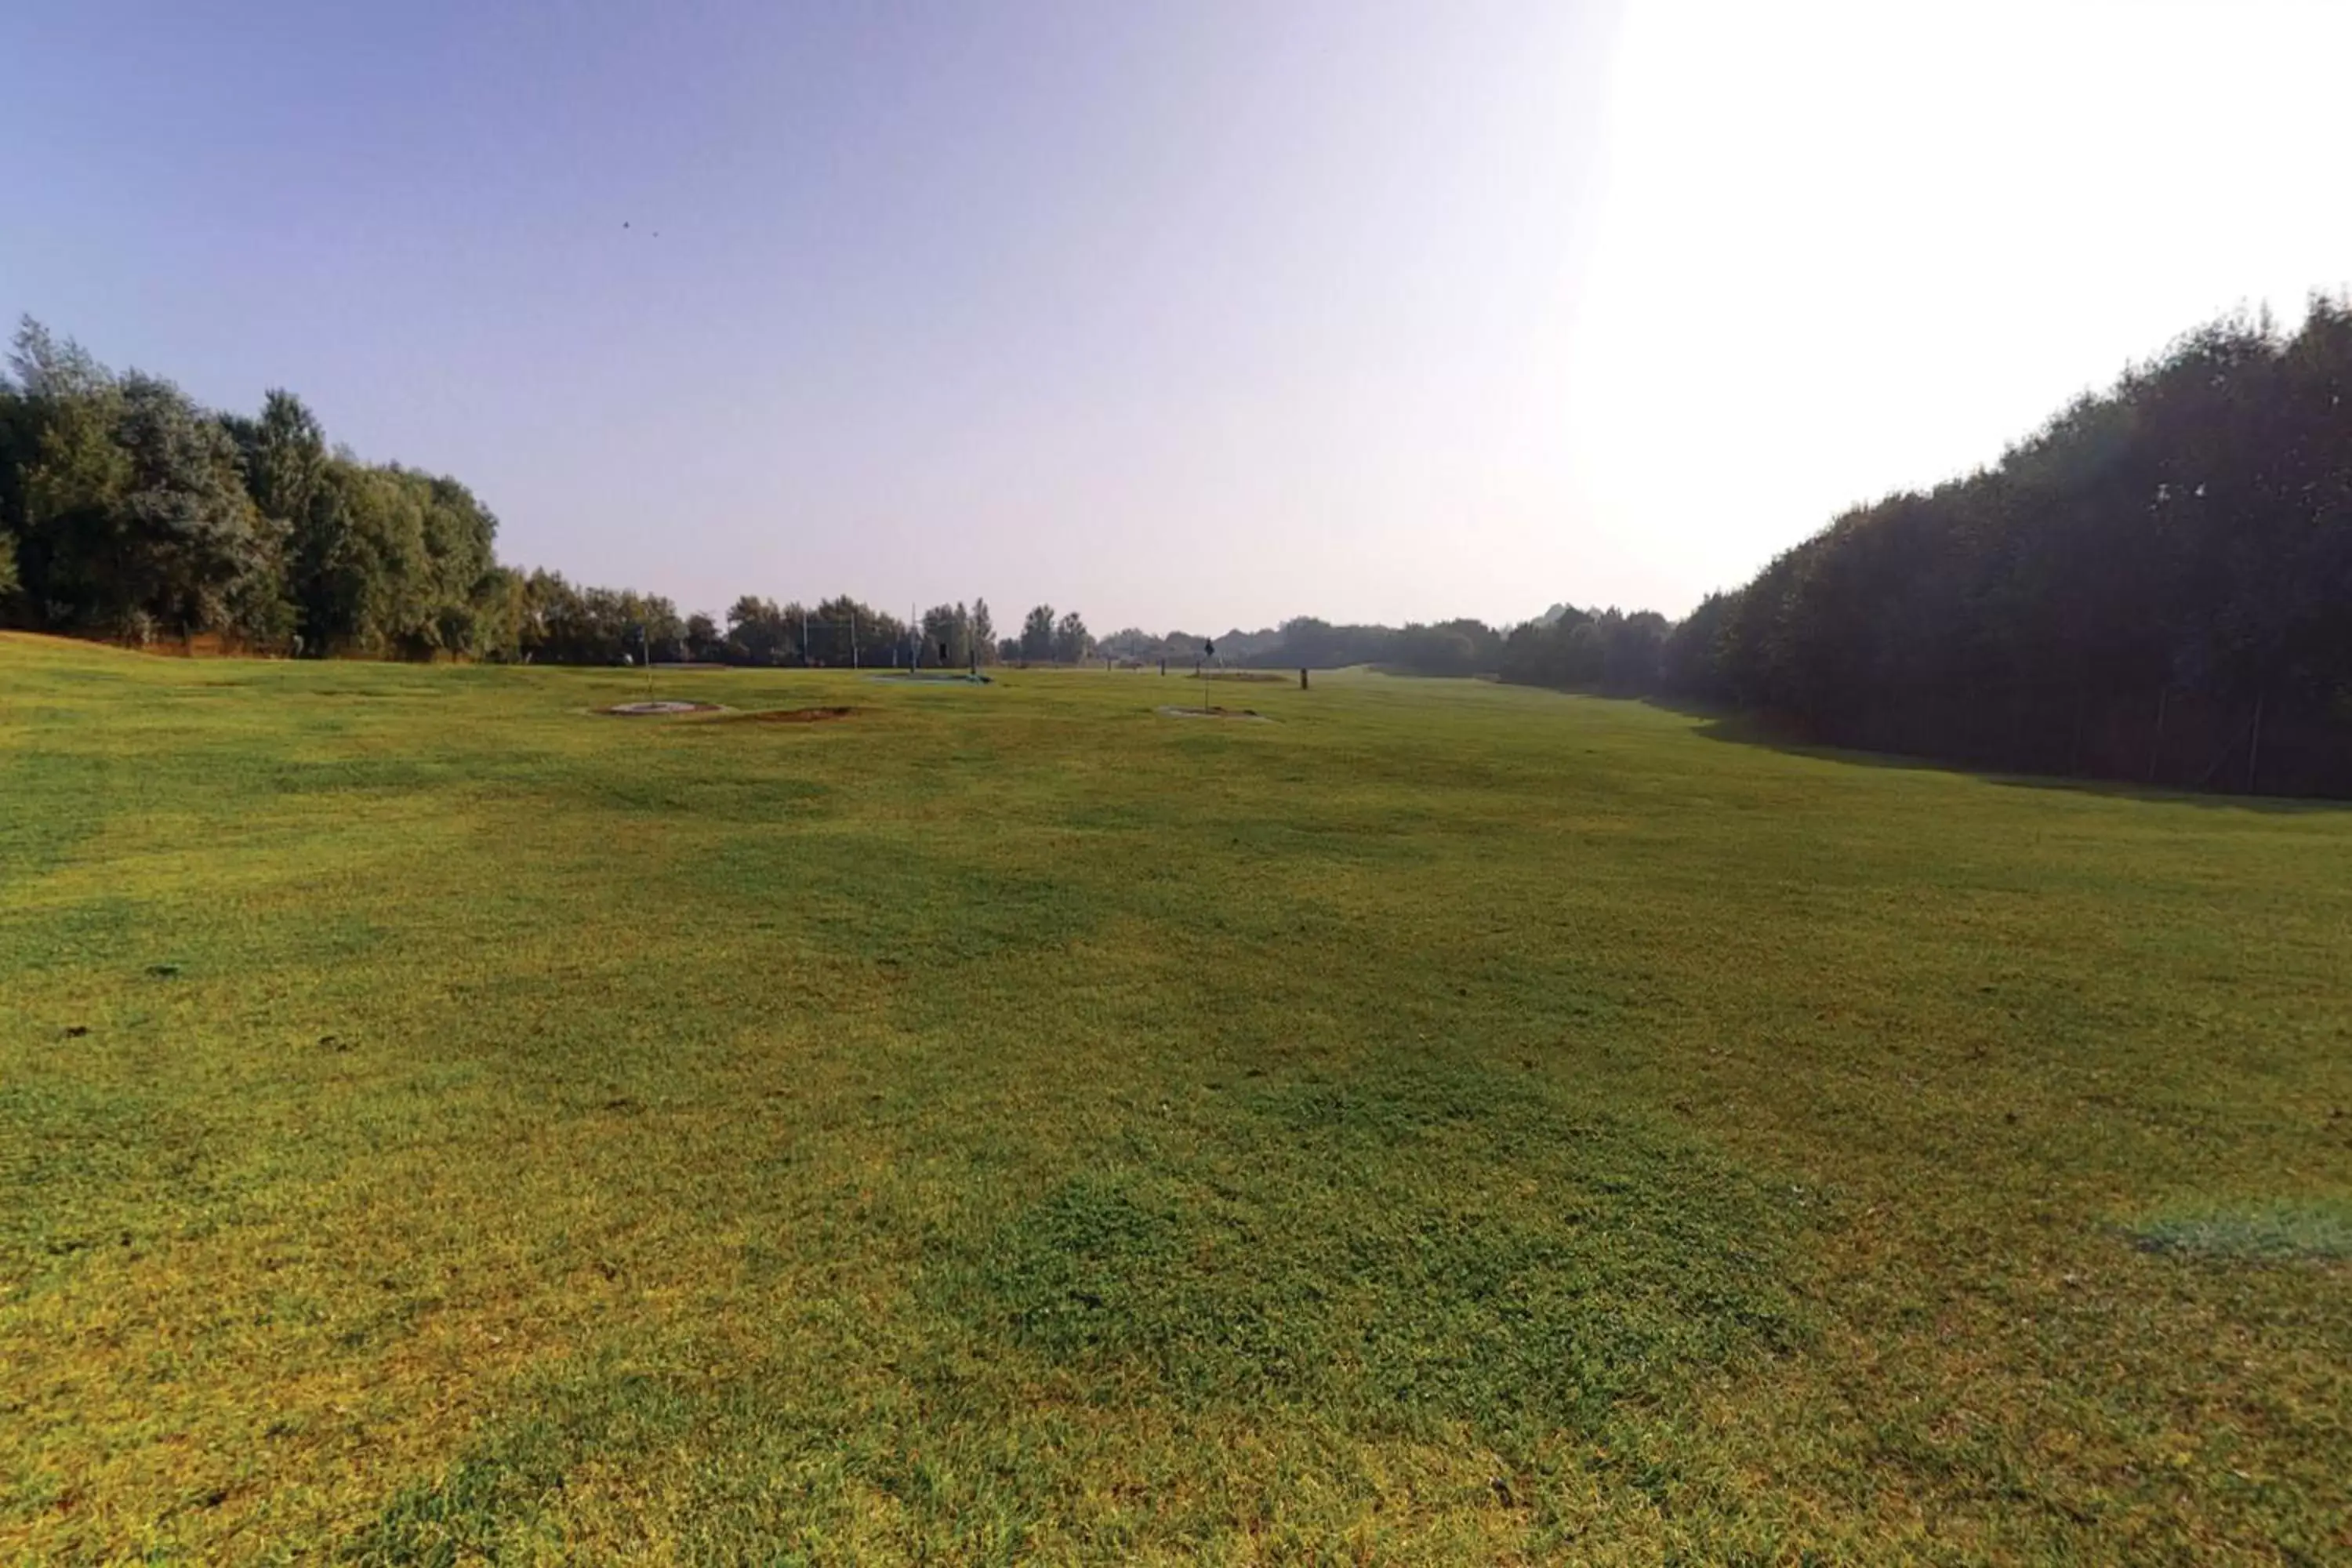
(285, 456)
(568, 625)
(1071, 643)
(2151, 585)
(1037, 636)
(136, 512)
(946, 636)
(841, 632)
(68, 474)
(983, 631)
(757, 632)
(168, 540)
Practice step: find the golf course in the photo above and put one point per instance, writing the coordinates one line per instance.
(869, 1121)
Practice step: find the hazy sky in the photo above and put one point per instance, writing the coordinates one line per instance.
(1180, 314)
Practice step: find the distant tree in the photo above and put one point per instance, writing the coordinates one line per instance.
(842, 630)
(756, 633)
(948, 627)
(19, 442)
(1688, 663)
(704, 642)
(1134, 645)
(1072, 642)
(1314, 644)
(983, 631)
(2151, 585)
(285, 456)
(174, 543)
(1436, 650)
(137, 511)
(68, 472)
(1037, 635)
(569, 625)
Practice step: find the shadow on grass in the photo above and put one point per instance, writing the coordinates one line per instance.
(1748, 730)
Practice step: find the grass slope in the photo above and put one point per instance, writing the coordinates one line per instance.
(1449, 1122)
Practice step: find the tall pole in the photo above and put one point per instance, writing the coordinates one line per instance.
(2254, 746)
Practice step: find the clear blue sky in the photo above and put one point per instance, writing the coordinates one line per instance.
(1193, 313)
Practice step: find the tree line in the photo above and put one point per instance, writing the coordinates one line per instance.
(1578, 650)
(127, 510)
(2155, 584)
(130, 512)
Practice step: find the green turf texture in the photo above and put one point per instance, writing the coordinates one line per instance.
(1446, 1123)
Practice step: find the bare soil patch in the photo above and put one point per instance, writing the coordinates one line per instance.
(791, 716)
(1246, 715)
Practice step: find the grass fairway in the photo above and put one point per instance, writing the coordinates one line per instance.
(1448, 1122)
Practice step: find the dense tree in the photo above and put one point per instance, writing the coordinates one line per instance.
(1072, 642)
(285, 456)
(1037, 635)
(386, 560)
(1606, 651)
(127, 510)
(842, 632)
(946, 636)
(1688, 664)
(1451, 647)
(566, 624)
(136, 513)
(757, 633)
(2155, 585)
(983, 631)
(138, 522)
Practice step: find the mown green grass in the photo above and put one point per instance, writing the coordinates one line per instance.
(1447, 1123)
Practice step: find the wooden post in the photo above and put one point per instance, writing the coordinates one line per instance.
(2254, 746)
(1302, 678)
